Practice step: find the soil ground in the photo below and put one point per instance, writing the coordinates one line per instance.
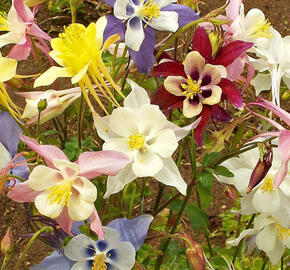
(13, 214)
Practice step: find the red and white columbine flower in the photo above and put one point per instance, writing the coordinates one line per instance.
(199, 87)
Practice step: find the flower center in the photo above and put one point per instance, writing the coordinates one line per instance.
(99, 262)
(60, 193)
(284, 233)
(3, 22)
(261, 28)
(191, 88)
(268, 184)
(136, 141)
(149, 11)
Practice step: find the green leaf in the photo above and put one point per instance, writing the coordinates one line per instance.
(210, 158)
(205, 179)
(198, 219)
(221, 170)
(205, 196)
(239, 134)
(175, 205)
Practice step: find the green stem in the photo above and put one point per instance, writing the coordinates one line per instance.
(176, 34)
(142, 196)
(73, 11)
(6, 260)
(240, 244)
(15, 176)
(264, 263)
(38, 126)
(282, 262)
(33, 238)
(115, 56)
(165, 244)
(116, 71)
(132, 202)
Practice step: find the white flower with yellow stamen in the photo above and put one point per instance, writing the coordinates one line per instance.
(79, 53)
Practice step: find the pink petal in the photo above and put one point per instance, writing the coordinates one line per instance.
(64, 221)
(233, 9)
(24, 13)
(49, 152)
(22, 193)
(250, 73)
(235, 69)
(21, 51)
(96, 224)
(232, 92)
(30, 95)
(201, 43)
(93, 164)
(34, 30)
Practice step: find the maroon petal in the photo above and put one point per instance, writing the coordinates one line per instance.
(170, 68)
(220, 114)
(164, 55)
(205, 117)
(232, 92)
(166, 101)
(201, 43)
(227, 54)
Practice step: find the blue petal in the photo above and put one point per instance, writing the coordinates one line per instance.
(129, 9)
(133, 230)
(114, 26)
(55, 261)
(185, 14)
(102, 245)
(144, 58)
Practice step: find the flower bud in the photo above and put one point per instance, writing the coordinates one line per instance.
(7, 242)
(216, 41)
(286, 95)
(195, 256)
(42, 105)
(260, 170)
(231, 194)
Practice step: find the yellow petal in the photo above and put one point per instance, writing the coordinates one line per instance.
(7, 68)
(111, 40)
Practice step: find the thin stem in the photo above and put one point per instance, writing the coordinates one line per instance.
(132, 202)
(33, 238)
(116, 71)
(15, 176)
(264, 264)
(38, 58)
(142, 196)
(38, 125)
(57, 128)
(282, 262)
(240, 244)
(115, 56)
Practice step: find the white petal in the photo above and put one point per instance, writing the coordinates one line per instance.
(83, 265)
(7, 68)
(190, 108)
(147, 164)
(119, 145)
(112, 237)
(261, 83)
(215, 97)
(243, 234)
(118, 182)
(194, 64)
(68, 169)
(10, 38)
(79, 247)
(164, 3)
(120, 9)
(124, 122)
(170, 175)
(79, 209)
(211, 75)
(263, 220)
(276, 254)
(134, 35)
(253, 16)
(167, 21)
(45, 207)
(100, 25)
(49, 76)
(173, 85)
(266, 201)
(163, 143)
(266, 239)
(137, 97)
(42, 177)
(104, 131)
(151, 120)
(5, 157)
(86, 189)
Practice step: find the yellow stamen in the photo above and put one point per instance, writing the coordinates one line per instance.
(268, 184)
(191, 88)
(3, 22)
(150, 10)
(284, 233)
(136, 141)
(99, 262)
(60, 193)
(261, 28)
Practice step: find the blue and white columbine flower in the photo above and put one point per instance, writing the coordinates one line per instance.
(109, 253)
(135, 20)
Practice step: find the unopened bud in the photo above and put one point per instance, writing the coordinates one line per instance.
(42, 105)
(216, 41)
(195, 256)
(260, 170)
(286, 95)
(231, 194)
(7, 242)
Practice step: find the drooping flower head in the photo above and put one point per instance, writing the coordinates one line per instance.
(79, 53)
(21, 26)
(141, 18)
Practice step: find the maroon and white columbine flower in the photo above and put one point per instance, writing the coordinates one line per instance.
(200, 86)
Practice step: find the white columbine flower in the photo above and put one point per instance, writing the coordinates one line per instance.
(110, 253)
(63, 187)
(271, 236)
(141, 131)
(264, 197)
(275, 58)
(147, 11)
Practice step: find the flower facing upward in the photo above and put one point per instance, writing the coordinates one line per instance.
(200, 86)
(79, 51)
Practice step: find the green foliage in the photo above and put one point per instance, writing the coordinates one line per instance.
(221, 170)
(198, 219)
(5, 5)
(210, 158)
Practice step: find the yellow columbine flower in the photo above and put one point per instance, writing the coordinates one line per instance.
(79, 51)
(7, 72)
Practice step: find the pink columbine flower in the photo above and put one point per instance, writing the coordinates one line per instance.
(21, 26)
(282, 133)
(62, 189)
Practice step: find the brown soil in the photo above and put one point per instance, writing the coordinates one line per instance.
(13, 214)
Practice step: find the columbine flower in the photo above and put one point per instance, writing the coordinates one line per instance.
(57, 102)
(207, 71)
(142, 18)
(275, 58)
(264, 198)
(79, 52)
(7, 72)
(20, 26)
(272, 236)
(141, 131)
(62, 190)
(126, 234)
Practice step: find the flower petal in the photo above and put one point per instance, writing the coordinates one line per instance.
(7, 68)
(22, 193)
(173, 85)
(134, 35)
(205, 117)
(64, 221)
(120, 11)
(201, 43)
(262, 82)
(166, 21)
(85, 188)
(120, 145)
(215, 95)
(266, 239)
(79, 209)
(96, 224)
(210, 76)
(169, 68)
(232, 92)
(192, 107)
(194, 64)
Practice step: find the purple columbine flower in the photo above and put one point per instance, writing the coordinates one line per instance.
(136, 20)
